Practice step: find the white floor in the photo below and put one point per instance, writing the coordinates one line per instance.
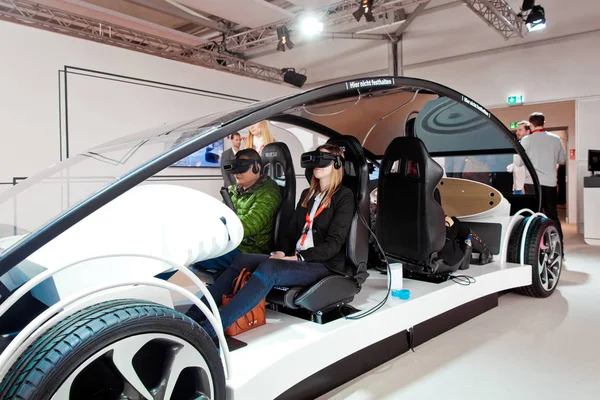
(524, 349)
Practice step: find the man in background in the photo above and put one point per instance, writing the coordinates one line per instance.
(228, 155)
(545, 150)
(521, 177)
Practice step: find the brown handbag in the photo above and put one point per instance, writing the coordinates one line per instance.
(256, 316)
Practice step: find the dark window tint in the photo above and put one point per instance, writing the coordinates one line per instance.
(447, 126)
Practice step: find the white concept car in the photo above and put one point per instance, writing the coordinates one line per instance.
(95, 251)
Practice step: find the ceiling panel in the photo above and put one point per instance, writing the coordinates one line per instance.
(312, 4)
(250, 13)
(139, 12)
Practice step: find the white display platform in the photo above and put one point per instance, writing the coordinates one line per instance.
(591, 211)
(288, 349)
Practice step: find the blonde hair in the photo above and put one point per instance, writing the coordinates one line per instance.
(263, 126)
(334, 183)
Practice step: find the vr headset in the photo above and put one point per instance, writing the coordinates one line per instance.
(239, 166)
(318, 159)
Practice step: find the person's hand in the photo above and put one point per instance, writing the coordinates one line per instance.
(291, 258)
(277, 254)
(449, 221)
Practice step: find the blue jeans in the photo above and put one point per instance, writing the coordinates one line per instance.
(266, 273)
(219, 264)
(520, 192)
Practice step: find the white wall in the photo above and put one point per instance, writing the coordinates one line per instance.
(588, 137)
(29, 99)
(549, 72)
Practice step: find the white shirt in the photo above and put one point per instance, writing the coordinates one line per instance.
(518, 175)
(258, 143)
(545, 150)
(309, 242)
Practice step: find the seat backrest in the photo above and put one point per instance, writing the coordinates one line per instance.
(279, 166)
(356, 178)
(410, 222)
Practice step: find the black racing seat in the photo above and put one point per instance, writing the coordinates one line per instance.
(336, 290)
(279, 166)
(410, 221)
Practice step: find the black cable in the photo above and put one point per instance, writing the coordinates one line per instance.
(463, 280)
(389, 288)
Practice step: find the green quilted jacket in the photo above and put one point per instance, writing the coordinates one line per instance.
(256, 208)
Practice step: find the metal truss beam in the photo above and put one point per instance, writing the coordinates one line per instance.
(499, 15)
(333, 15)
(33, 14)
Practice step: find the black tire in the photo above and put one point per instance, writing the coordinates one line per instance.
(533, 243)
(45, 365)
(514, 241)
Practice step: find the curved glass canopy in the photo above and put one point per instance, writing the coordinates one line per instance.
(375, 110)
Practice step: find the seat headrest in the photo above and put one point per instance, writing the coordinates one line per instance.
(277, 162)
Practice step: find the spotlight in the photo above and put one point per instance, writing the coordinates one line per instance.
(311, 26)
(283, 34)
(536, 20)
(292, 77)
(366, 9)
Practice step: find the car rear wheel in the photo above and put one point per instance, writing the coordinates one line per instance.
(543, 251)
(118, 350)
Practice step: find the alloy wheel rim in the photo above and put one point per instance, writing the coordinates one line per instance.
(550, 258)
(134, 360)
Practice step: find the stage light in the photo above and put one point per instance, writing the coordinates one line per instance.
(311, 26)
(536, 20)
(292, 77)
(366, 9)
(283, 34)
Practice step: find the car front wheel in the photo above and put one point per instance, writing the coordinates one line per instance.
(119, 350)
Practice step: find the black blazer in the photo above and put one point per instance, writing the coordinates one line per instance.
(330, 231)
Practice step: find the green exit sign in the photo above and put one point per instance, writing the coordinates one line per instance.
(514, 125)
(514, 100)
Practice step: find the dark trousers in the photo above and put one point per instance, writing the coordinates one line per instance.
(549, 201)
(266, 273)
(216, 265)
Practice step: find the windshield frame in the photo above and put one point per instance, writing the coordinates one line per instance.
(234, 121)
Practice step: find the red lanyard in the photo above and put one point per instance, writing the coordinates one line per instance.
(309, 222)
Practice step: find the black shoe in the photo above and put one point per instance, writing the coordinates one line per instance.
(195, 314)
(486, 257)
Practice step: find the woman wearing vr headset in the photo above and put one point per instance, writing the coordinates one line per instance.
(312, 248)
(259, 135)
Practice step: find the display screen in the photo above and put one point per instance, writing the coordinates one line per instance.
(594, 160)
(207, 157)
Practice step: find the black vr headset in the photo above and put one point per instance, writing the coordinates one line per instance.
(239, 166)
(319, 159)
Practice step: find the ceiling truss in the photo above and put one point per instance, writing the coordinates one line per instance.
(332, 16)
(496, 13)
(31, 13)
(228, 53)
(499, 15)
